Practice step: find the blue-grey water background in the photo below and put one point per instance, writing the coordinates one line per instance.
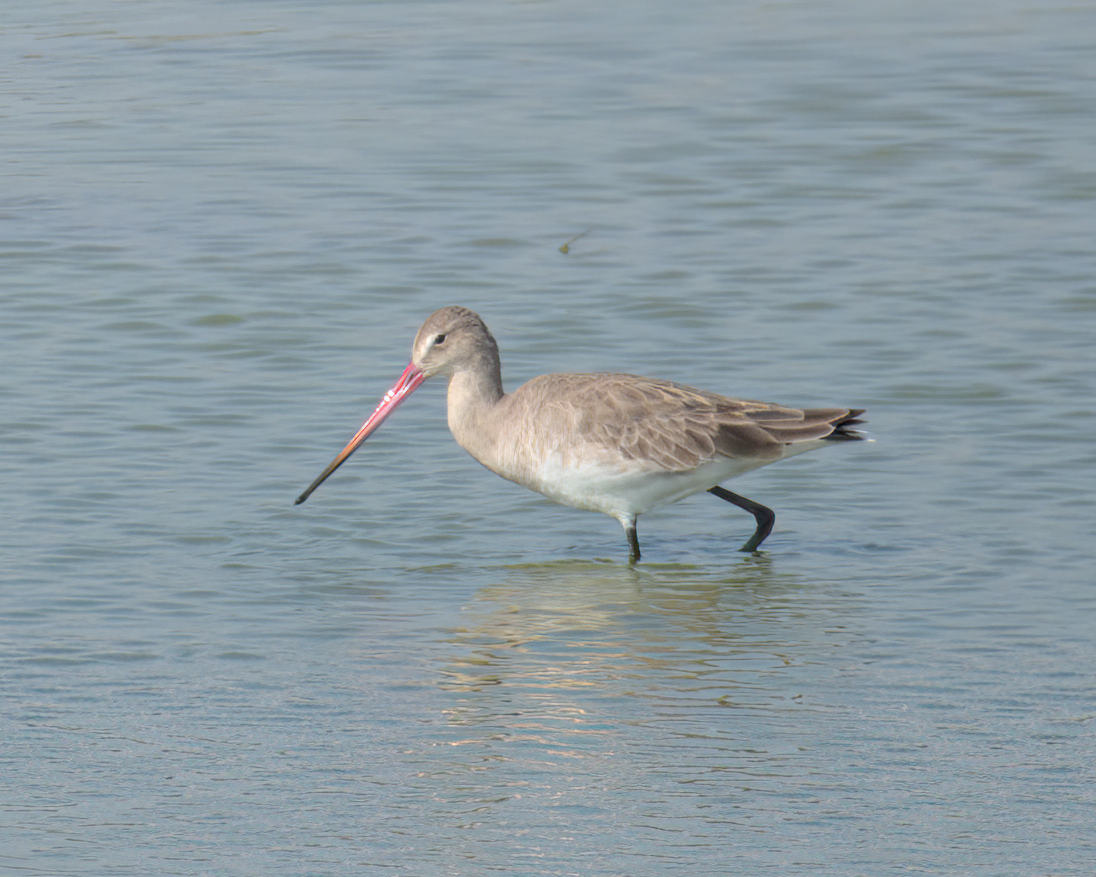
(222, 223)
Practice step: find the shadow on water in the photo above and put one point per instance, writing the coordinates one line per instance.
(668, 628)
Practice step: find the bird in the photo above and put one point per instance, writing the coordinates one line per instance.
(620, 444)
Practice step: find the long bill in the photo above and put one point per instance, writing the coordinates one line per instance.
(410, 379)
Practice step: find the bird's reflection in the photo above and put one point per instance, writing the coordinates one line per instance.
(662, 631)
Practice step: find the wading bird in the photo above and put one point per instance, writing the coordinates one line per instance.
(613, 443)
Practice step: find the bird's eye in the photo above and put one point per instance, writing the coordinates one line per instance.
(439, 339)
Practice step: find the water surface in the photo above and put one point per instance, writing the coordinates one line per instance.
(222, 224)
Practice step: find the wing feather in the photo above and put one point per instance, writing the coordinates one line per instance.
(671, 426)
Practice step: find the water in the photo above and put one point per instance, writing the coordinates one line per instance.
(222, 224)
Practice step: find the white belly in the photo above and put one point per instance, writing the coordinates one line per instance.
(627, 491)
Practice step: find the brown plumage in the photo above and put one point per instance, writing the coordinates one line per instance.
(614, 443)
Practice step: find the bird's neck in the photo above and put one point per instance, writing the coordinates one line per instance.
(474, 394)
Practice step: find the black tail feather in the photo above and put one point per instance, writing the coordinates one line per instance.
(843, 428)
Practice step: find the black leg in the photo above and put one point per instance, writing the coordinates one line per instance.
(633, 542)
(765, 516)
